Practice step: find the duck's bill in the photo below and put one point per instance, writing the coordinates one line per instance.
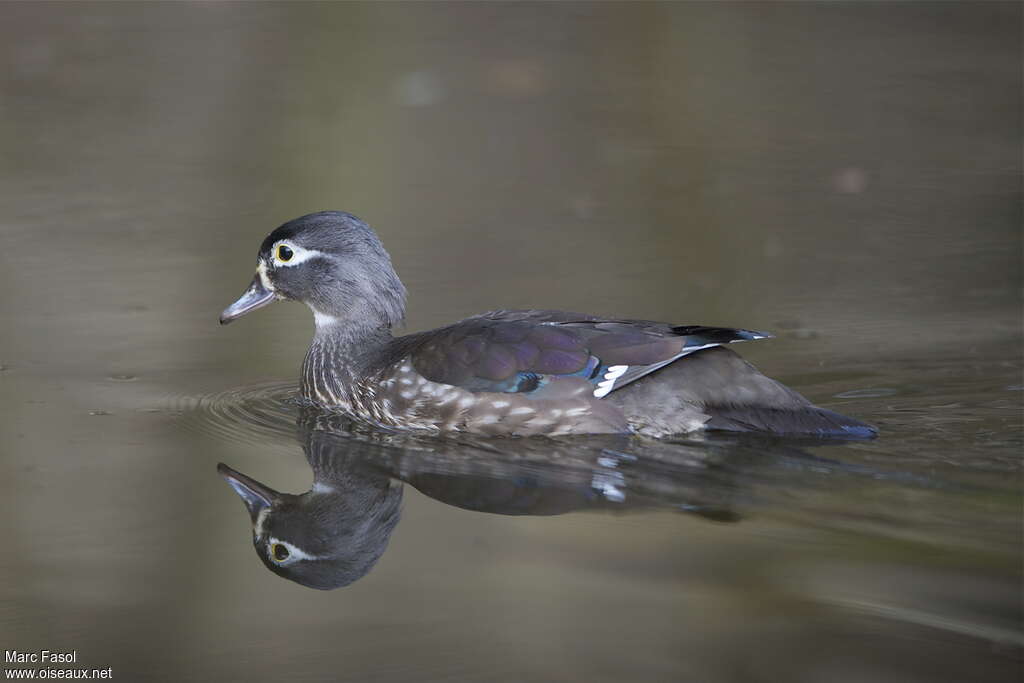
(255, 495)
(257, 296)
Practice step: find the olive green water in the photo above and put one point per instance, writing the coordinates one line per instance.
(848, 176)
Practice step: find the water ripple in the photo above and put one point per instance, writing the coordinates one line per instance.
(874, 392)
(248, 414)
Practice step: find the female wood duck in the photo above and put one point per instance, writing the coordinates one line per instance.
(509, 372)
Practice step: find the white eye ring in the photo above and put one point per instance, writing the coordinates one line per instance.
(294, 554)
(298, 254)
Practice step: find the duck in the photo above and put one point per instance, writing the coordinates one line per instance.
(508, 372)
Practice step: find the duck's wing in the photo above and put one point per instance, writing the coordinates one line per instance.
(533, 351)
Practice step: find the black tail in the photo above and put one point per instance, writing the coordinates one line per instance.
(717, 335)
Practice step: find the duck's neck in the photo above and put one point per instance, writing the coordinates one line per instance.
(341, 354)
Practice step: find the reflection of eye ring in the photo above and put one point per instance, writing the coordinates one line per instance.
(279, 552)
(284, 253)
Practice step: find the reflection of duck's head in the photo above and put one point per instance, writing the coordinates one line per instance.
(327, 537)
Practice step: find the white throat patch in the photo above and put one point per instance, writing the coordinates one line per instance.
(322, 319)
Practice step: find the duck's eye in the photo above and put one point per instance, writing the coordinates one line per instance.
(284, 253)
(279, 552)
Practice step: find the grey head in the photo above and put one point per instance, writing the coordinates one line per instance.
(327, 537)
(334, 263)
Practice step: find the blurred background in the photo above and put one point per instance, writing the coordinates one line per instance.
(847, 175)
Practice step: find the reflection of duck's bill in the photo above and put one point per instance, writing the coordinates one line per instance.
(257, 296)
(255, 495)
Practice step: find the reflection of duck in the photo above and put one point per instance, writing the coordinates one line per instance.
(508, 372)
(334, 533)
(331, 535)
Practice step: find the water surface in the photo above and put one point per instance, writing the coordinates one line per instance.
(845, 175)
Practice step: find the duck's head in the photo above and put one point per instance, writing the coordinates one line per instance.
(325, 538)
(332, 262)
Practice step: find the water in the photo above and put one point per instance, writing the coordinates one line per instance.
(847, 176)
